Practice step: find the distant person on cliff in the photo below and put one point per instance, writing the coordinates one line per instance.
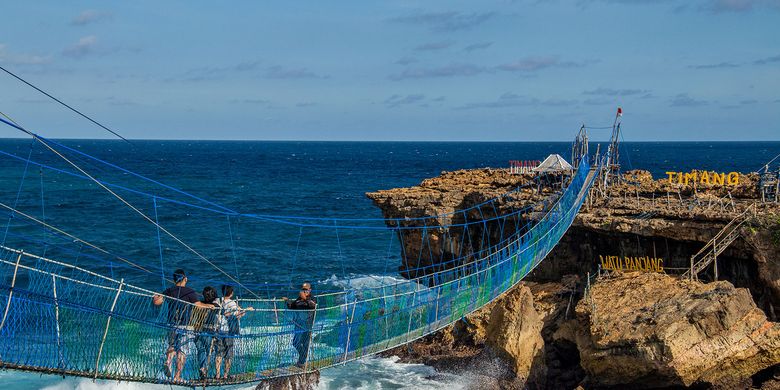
(180, 338)
(229, 329)
(303, 321)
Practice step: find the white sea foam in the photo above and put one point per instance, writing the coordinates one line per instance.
(388, 373)
(364, 281)
(369, 373)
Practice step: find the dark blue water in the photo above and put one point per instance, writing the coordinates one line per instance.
(312, 179)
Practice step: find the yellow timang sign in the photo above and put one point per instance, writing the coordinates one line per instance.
(629, 263)
(701, 177)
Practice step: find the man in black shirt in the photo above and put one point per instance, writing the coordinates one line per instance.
(303, 321)
(181, 337)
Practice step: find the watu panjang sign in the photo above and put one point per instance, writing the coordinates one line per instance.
(632, 263)
(703, 177)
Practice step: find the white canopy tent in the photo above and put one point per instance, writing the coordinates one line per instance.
(553, 163)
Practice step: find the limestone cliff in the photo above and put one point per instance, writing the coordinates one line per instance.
(638, 217)
(500, 346)
(641, 216)
(652, 330)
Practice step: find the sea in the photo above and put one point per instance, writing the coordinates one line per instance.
(268, 215)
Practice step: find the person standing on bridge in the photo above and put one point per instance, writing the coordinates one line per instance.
(229, 329)
(182, 335)
(303, 321)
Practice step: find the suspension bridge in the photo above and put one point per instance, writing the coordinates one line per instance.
(64, 319)
(82, 307)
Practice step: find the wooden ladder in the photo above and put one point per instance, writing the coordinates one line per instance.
(709, 253)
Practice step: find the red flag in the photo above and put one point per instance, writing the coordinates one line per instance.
(620, 112)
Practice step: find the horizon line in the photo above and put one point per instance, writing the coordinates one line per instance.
(380, 140)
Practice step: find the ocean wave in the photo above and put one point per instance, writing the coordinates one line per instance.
(362, 281)
(388, 373)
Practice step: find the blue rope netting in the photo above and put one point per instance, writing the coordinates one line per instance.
(65, 334)
(72, 320)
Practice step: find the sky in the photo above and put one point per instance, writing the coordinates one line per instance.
(690, 70)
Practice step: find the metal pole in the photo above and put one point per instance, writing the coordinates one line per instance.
(311, 336)
(57, 319)
(108, 323)
(349, 329)
(276, 313)
(691, 275)
(715, 261)
(11, 290)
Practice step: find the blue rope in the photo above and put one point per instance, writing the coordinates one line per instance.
(43, 211)
(225, 209)
(341, 258)
(389, 248)
(109, 184)
(274, 219)
(19, 191)
(295, 256)
(63, 103)
(159, 244)
(233, 252)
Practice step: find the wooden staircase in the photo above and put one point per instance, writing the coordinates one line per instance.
(709, 253)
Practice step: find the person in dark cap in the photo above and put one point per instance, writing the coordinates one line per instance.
(303, 321)
(180, 299)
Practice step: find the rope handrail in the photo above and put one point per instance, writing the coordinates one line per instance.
(408, 282)
(137, 331)
(419, 279)
(455, 260)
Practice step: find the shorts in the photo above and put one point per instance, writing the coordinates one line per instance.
(225, 343)
(181, 339)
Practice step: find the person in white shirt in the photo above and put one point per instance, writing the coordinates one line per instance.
(229, 329)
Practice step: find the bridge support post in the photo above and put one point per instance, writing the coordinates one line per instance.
(690, 272)
(57, 321)
(105, 332)
(438, 297)
(11, 290)
(715, 267)
(349, 329)
(311, 337)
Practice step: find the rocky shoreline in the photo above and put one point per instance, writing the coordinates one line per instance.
(644, 330)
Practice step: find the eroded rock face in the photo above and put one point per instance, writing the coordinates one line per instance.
(652, 330)
(296, 382)
(500, 346)
(640, 217)
(440, 197)
(649, 331)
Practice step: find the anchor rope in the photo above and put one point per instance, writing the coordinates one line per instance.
(60, 231)
(139, 212)
(282, 219)
(360, 322)
(159, 244)
(18, 191)
(64, 104)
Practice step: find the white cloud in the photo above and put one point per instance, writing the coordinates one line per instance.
(90, 16)
(11, 58)
(85, 46)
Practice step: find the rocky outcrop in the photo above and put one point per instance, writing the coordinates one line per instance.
(308, 381)
(433, 203)
(651, 330)
(667, 333)
(500, 346)
(510, 343)
(637, 217)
